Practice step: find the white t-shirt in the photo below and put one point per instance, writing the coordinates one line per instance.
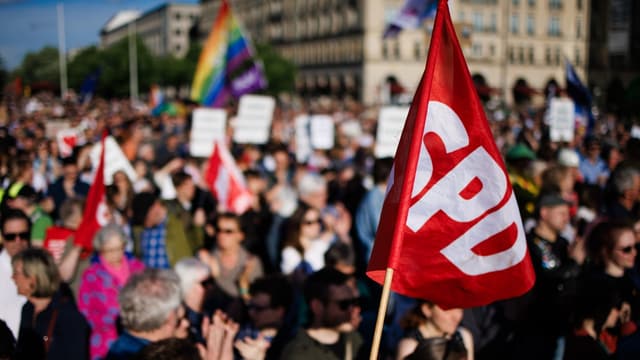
(10, 302)
(314, 255)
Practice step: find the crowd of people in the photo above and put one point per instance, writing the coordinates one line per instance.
(176, 275)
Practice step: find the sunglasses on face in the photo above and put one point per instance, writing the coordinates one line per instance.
(310, 222)
(257, 308)
(346, 304)
(627, 249)
(12, 236)
(227, 231)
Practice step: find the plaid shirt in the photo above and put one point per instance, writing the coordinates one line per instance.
(154, 249)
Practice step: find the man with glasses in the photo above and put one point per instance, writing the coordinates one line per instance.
(330, 300)
(268, 308)
(16, 229)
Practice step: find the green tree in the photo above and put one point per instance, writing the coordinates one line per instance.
(114, 75)
(40, 67)
(86, 62)
(280, 72)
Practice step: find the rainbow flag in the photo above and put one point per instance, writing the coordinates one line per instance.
(226, 66)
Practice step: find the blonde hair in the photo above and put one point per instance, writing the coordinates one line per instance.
(39, 265)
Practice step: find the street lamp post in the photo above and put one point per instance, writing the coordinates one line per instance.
(133, 62)
(62, 58)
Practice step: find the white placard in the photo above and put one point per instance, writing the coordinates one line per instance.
(208, 125)
(303, 138)
(635, 132)
(322, 132)
(562, 120)
(114, 160)
(390, 124)
(253, 122)
(67, 139)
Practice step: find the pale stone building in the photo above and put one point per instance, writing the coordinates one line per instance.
(339, 48)
(164, 29)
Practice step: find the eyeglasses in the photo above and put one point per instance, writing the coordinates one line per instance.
(257, 308)
(228, 231)
(12, 236)
(345, 304)
(207, 282)
(627, 249)
(310, 222)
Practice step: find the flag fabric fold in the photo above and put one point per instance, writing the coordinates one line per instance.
(581, 97)
(226, 181)
(412, 14)
(450, 227)
(96, 213)
(226, 66)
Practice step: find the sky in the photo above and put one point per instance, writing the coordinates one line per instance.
(29, 25)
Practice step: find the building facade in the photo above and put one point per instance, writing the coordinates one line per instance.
(339, 48)
(164, 30)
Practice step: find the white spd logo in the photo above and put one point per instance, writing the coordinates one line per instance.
(445, 195)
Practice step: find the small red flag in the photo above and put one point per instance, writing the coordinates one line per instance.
(450, 227)
(226, 181)
(96, 213)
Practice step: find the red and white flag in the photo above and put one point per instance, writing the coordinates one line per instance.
(226, 181)
(96, 212)
(450, 227)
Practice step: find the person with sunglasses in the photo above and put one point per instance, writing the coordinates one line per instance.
(330, 300)
(16, 229)
(270, 315)
(612, 251)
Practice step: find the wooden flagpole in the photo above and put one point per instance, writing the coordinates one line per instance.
(382, 311)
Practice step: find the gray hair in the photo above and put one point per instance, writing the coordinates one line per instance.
(148, 298)
(623, 180)
(190, 270)
(107, 232)
(311, 183)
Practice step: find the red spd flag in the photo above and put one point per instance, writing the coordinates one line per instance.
(226, 181)
(450, 227)
(96, 212)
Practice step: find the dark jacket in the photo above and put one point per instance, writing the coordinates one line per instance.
(126, 346)
(70, 331)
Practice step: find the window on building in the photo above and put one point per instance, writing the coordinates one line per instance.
(396, 49)
(515, 2)
(558, 56)
(532, 3)
(531, 25)
(477, 21)
(385, 50)
(178, 32)
(554, 26)
(511, 55)
(492, 50)
(579, 5)
(532, 58)
(178, 48)
(461, 16)
(493, 22)
(578, 59)
(521, 55)
(417, 50)
(178, 16)
(579, 28)
(476, 50)
(514, 23)
(547, 56)
(555, 4)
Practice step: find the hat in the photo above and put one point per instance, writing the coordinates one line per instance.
(141, 204)
(520, 151)
(568, 157)
(550, 200)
